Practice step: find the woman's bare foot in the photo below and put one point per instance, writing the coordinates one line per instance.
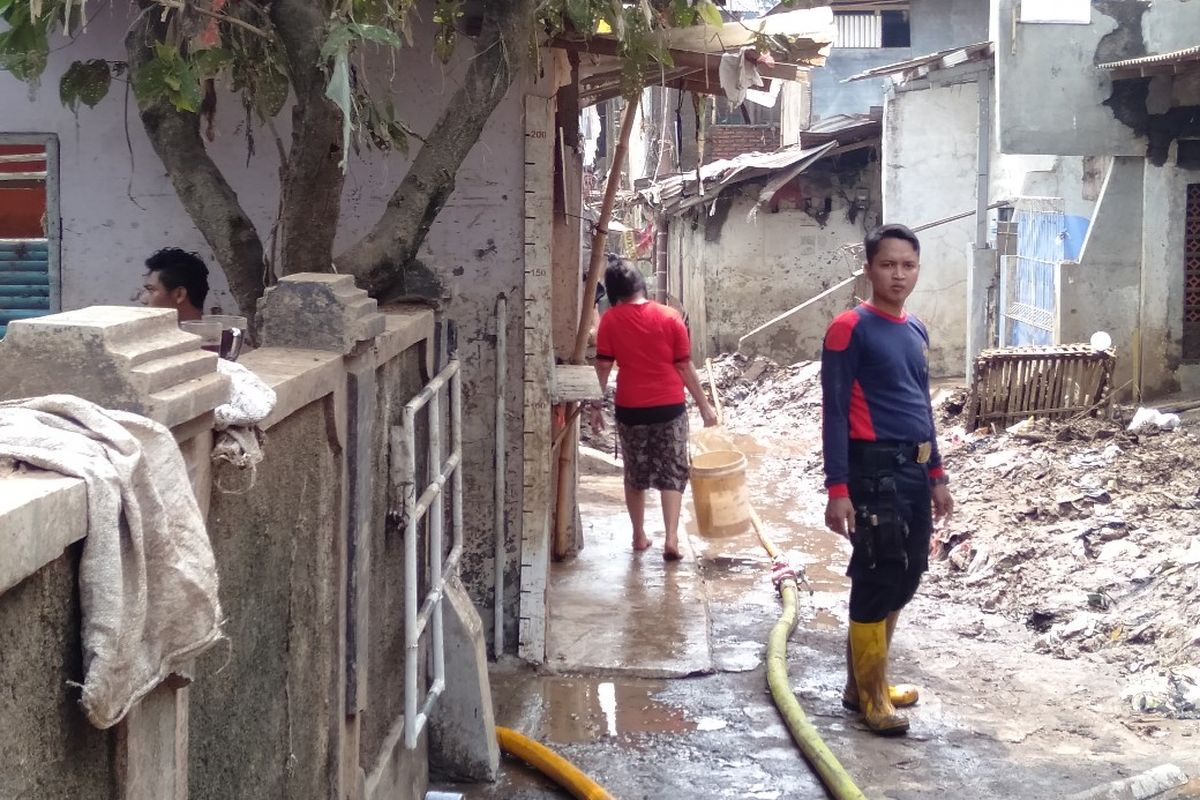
(671, 552)
(641, 543)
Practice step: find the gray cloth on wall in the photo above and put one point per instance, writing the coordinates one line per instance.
(147, 577)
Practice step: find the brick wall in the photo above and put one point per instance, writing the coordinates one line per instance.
(728, 141)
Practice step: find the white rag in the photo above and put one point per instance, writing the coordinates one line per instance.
(738, 76)
(147, 578)
(239, 438)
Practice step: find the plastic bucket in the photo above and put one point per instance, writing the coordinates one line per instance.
(719, 494)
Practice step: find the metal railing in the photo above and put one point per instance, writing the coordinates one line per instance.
(430, 506)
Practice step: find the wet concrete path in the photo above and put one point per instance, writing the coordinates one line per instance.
(602, 600)
(996, 720)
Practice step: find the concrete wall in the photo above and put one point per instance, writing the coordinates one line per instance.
(929, 173)
(756, 268)
(1101, 292)
(117, 209)
(40, 653)
(935, 25)
(305, 698)
(831, 96)
(1162, 283)
(1075, 110)
(278, 565)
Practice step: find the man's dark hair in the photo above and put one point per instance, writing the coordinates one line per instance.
(177, 268)
(876, 237)
(622, 280)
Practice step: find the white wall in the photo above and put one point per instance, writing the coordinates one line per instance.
(1066, 114)
(115, 215)
(1162, 281)
(930, 162)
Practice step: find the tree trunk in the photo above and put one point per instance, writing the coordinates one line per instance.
(378, 260)
(311, 182)
(206, 196)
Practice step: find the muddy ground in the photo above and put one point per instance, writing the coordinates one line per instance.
(1039, 676)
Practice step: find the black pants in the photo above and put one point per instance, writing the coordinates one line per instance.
(891, 497)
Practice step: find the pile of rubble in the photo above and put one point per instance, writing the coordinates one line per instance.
(1085, 531)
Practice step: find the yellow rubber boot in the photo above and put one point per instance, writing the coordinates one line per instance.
(868, 644)
(902, 695)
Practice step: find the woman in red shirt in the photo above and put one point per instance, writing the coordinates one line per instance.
(650, 346)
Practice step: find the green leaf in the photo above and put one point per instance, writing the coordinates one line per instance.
(150, 81)
(341, 36)
(85, 82)
(210, 63)
(189, 94)
(25, 46)
(582, 16)
(710, 13)
(271, 92)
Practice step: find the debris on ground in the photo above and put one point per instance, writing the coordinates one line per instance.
(1084, 530)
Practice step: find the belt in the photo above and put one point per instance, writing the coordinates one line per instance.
(885, 455)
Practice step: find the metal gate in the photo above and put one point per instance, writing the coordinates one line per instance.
(1029, 280)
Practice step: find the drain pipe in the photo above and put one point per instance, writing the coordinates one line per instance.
(501, 464)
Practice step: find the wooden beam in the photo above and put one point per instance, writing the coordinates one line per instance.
(684, 58)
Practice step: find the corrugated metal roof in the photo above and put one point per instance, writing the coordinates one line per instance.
(676, 193)
(1176, 57)
(915, 67)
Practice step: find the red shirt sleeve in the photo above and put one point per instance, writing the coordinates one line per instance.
(681, 347)
(604, 343)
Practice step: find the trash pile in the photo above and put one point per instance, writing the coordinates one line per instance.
(1086, 531)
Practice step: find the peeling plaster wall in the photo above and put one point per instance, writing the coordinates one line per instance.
(1162, 282)
(116, 212)
(1078, 109)
(756, 269)
(1101, 292)
(929, 173)
(41, 654)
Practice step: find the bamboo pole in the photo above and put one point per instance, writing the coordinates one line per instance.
(570, 444)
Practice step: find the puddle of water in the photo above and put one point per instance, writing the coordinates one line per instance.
(825, 619)
(586, 709)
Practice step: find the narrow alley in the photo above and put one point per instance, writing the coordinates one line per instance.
(656, 684)
(344, 344)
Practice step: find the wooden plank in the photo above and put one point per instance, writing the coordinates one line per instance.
(575, 384)
(538, 336)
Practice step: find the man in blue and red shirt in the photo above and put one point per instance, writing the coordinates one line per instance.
(883, 470)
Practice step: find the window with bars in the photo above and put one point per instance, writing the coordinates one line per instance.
(873, 29)
(1191, 276)
(28, 228)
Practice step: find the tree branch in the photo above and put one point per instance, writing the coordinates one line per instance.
(378, 260)
(312, 178)
(207, 197)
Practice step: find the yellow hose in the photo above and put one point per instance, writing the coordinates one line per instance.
(550, 764)
(837, 781)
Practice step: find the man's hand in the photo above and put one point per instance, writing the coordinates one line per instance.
(839, 516)
(943, 503)
(709, 416)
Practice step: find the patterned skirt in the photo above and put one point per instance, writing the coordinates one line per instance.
(656, 455)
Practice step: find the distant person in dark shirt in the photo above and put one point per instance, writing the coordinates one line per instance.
(883, 471)
(650, 346)
(176, 279)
